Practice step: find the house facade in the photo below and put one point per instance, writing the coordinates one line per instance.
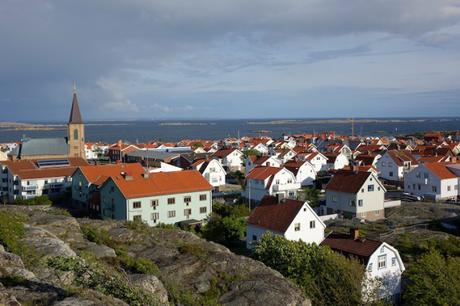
(212, 171)
(304, 172)
(394, 164)
(231, 159)
(263, 181)
(292, 219)
(356, 194)
(436, 181)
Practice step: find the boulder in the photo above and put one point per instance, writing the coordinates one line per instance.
(45, 243)
(12, 265)
(100, 250)
(150, 284)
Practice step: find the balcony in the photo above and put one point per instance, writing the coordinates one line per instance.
(30, 187)
(285, 187)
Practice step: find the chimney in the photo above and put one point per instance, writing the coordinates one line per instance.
(145, 175)
(354, 233)
(120, 143)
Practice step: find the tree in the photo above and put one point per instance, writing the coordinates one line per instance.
(326, 277)
(311, 195)
(433, 280)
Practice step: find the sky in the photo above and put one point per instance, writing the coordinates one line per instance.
(232, 59)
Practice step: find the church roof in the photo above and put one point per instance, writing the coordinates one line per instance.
(75, 115)
(42, 147)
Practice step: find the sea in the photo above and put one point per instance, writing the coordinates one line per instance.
(175, 130)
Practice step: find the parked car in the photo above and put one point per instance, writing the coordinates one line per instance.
(410, 197)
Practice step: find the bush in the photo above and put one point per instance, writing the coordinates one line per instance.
(311, 195)
(136, 265)
(40, 200)
(99, 236)
(11, 231)
(326, 277)
(224, 230)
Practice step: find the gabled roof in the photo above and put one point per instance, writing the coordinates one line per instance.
(348, 181)
(345, 244)
(401, 156)
(223, 153)
(161, 183)
(440, 170)
(262, 173)
(273, 215)
(98, 174)
(41, 147)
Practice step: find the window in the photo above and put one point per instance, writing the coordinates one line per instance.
(187, 199)
(425, 175)
(203, 210)
(187, 212)
(352, 203)
(297, 227)
(254, 238)
(75, 134)
(277, 182)
(434, 189)
(202, 197)
(334, 198)
(155, 217)
(112, 189)
(369, 267)
(448, 188)
(393, 261)
(154, 204)
(137, 218)
(362, 190)
(360, 203)
(171, 214)
(382, 261)
(289, 181)
(136, 204)
(390, 173)
(171, 200)
(370, 188)
(312, 224)
(456, 187)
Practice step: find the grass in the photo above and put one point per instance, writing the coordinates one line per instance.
(193, 249)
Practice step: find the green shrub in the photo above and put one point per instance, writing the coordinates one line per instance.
(140, 265)
(193, 249)
(40, 200)
(99, 236)
(11, 230)
(138, 226)
(167, 226)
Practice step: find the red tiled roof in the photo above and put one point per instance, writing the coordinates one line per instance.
(28, 169)
(223, 153)
(348, 181)
(275, 216)
(262, 173)
(440, 170)
(401, 156)
(361, 248)
(100, 173)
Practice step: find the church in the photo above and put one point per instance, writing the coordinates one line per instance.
(54, 148)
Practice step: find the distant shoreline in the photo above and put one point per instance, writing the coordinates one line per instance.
(332, 121)
(19, 126)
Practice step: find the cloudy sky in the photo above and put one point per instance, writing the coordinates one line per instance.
(229, 59)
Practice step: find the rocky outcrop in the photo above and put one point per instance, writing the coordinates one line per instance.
(186, 267)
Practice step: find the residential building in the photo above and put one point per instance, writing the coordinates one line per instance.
(212, 171)
(382, 263)
(164, 197)
(356, 194)
(231, 159)
(260, 161)
(436, 181)
(394, 164)
(26, 179)
(117, 152)
(292, 219)
(263, 181)
(304, 172)
(336, 161)
(318, 160)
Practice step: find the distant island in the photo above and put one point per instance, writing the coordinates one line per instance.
(332, 121)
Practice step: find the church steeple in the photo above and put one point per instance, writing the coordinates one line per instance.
(76, 129)
(75, 115)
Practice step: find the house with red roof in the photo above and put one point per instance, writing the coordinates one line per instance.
(336, 161)
(260, 161)
(394, 164)
(304, 171)
(272, 181)
(154, 198)
(292, 219)
(318, 160)
(231, 159)
(382, 263)
(436, 181)
(212, 170)
(356, 194)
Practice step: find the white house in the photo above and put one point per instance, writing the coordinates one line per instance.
(261, 161)
(382, 263)
(336, 161)
(263, 181)
(212, 170)
(318, 160)
(285, 154)
(356, 195)
(165, 167)
(231, 159)
(394, 164)
(292, 219)
(437, 181)
(261, 148)
(304, 171)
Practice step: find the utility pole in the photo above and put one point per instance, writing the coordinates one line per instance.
(249, 189)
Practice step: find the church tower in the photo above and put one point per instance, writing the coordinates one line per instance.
(76, 129)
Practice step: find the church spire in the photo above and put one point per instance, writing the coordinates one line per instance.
(75, 115)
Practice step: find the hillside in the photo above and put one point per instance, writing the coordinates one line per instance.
(51, 258)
